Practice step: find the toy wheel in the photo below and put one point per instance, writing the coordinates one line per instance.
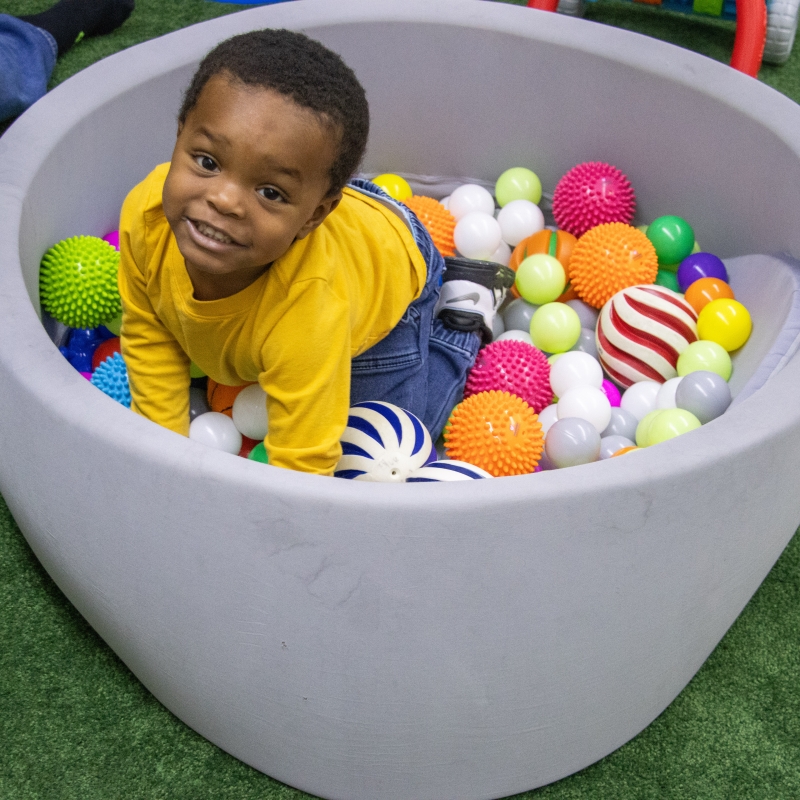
(781, 30)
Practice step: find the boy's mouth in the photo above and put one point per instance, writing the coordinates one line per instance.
(210, 232)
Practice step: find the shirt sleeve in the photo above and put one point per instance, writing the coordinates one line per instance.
(307, 380)
(158, 368)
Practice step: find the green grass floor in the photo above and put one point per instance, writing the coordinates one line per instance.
(76, 725)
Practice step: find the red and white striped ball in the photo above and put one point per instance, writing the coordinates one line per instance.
(641, 331)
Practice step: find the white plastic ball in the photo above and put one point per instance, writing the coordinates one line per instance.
(519, 336)
(445, 201)
(216, 430)
(469, 198)
(666, 394)
(250, 412)
(640, 398)
(477, 235)
(585, 402)
(547, 417)
(502, 255)
(520, 219)
(573, 369)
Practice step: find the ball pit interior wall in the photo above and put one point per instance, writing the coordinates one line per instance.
(448, 641)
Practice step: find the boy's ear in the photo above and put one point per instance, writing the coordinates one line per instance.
(327, 204)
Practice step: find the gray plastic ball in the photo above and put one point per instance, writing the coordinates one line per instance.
(198, 404)
(498, 327)
(587, 342)
(704, 393)
(622, 423)
(572, 441)
(587, 315)
(517, 315)
(610, 444)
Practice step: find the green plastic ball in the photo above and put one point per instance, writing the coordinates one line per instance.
(643, 428)
(259, 453)
(517, 183)
(669, 423)
(672, 237)
(555, 327)
(195, 371)
(668, 279)
(78, 282)
(114, 325)
(705, 355)
(540, 279)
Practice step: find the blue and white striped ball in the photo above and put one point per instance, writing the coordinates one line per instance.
(382, 443)
(441, 471)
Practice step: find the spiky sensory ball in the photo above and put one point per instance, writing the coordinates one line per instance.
(78, 282)
(111, 378)
(438, 221)
(496, 431)
(610, 258)
(591, 194)
(512, 366)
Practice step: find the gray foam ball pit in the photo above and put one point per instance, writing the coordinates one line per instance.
(380, 641)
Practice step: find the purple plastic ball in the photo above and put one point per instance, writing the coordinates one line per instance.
(700, 265)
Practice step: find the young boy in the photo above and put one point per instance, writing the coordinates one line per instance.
(251, 256)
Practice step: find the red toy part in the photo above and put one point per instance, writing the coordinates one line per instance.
(751, 36)
(105, 350)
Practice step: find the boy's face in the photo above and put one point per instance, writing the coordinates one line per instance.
(249, 175)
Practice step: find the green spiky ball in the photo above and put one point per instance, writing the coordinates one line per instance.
(78, 282)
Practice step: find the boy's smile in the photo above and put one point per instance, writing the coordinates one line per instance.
(250, 173)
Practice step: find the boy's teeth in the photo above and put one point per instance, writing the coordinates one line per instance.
(213, 233)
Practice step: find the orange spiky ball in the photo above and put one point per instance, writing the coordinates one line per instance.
(609, 258)
(496, 431)
(438, 221)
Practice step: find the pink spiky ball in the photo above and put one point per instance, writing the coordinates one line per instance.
(591, 194)
(512, 366)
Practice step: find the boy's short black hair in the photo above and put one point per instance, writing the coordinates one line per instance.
(301, 68)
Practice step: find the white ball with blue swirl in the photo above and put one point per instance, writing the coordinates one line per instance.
(383, 443)
(445, 471)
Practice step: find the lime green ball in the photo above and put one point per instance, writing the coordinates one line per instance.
(705, 355)
(668, 279)
(672, 237)
(517, 183)
(195, 371)
(78, 282)
(540, 279)
(259, 453)
(669, 423)
(553, 357)
(555, 327)
(115, 325)
(643, 428)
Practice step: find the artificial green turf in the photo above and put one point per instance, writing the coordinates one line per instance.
(75, 724)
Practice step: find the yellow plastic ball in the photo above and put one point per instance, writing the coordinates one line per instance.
(726, 322)
(394, 186)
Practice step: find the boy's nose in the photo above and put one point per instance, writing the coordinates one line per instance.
(226, 197)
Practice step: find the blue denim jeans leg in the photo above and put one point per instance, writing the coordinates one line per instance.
(27, 57)
(420, 366)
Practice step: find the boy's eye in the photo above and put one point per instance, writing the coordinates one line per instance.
(206, 162)
(268, 193)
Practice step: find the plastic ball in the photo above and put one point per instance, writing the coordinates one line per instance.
(216, 430)
(548, 417)
(114, 325)
(610, 258)
(558, 244)
(672, 237)
(517, 315)
(111, 378)
(247, 446)
(447, 471)
(517, 183)
(198, 404)
(610, 445)
(641, 333)
(666, 394)
(726, 322)
(575, 369)
(640, 398)
(516, 336)
(621, 423)
(259, 453)
(249, 412)
(702, 291)
(705, 355)
(382, 443)
(555, 327)
(705, 394)
(572, 441)
(498, 326)
(587, 314)
(611, 392)
(502, 255)
(586, 402)
(105, 350)
(515, 367)
(700, 265)
(477, 235)
(540, 279)
(469, 198)
(195, 371)
(587, 343)
(642, 437)
(496, 431)
(112, 237)
(220, 397)
(668, 280)
(518, 220)
(78, 282)
(671, 422)
(438, 221)
(591, 194)
(624, 450)
(394, 185)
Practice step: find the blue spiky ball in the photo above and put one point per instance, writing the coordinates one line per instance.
(111, 378)
(78, 282)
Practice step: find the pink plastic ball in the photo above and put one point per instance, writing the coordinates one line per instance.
(611, 392)
(112, 238)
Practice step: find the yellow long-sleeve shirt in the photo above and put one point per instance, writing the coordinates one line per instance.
(294, 330)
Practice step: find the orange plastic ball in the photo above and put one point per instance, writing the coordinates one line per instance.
(704, 290)
(624, 450)
(496, 431)
(558, 244)
(221, 397)
(438, 221)
(609, 258)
